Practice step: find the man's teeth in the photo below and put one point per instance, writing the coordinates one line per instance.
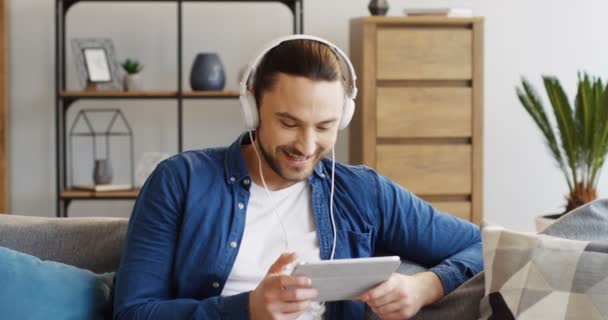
(298, 158)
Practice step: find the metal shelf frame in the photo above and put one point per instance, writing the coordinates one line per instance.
(64, 99)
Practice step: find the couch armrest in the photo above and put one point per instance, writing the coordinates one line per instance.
(88, 243)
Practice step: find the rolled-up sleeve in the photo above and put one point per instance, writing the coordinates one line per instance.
(413, 229)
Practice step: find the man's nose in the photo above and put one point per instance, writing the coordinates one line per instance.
(307, 143)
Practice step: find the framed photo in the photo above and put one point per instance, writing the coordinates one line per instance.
(96, 63)
(98, 68)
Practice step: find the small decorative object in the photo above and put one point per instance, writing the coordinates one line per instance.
(96, 64)
(132, 67)
(378, 7)
(578, 142)
(102, 172)
(207, 72)
(146, 165)
(99, 127)
(439, 12)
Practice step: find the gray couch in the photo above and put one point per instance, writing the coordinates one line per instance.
(96, 243)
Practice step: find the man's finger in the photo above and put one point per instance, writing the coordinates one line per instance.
(282, 261)
(382, 300)
(378, 291)
(390, 308)
(293, 307)
(294, 295)
(285, 281)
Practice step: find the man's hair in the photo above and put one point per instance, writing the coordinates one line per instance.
(301, 57)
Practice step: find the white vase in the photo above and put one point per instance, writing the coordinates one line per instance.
(132, 82)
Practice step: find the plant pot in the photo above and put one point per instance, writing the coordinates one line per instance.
(543, 222)
(378, 7)
(207, 72)
(102, 172)
(132, 82)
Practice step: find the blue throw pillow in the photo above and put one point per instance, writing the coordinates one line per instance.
(32, 289)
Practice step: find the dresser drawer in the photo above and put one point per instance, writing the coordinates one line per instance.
(460, 209)
(424, 53)
(427, 169)
(424, 112)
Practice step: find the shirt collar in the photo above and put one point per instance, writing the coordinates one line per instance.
(236, 169)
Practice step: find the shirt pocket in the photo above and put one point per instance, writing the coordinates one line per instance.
(353, 244)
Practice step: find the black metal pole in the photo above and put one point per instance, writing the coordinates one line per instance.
(59, 107)
(301, 13)
(180, 88)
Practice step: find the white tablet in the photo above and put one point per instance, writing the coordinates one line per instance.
(346, 279)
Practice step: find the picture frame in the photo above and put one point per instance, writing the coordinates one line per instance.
(96, 64)
(98, 68)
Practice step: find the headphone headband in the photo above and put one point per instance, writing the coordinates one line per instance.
(248, 103)
(351, 78)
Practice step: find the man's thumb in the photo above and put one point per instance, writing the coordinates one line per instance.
(282, 261)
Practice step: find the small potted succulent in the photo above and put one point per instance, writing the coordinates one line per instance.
(131, 80)
(577, 138)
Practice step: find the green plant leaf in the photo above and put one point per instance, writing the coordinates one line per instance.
(580, 141)
(132, 66)
(565, 122)
(533, 105)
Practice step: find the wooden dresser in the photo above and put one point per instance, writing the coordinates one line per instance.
(418, 118)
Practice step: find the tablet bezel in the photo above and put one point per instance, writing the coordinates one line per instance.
(355, 275)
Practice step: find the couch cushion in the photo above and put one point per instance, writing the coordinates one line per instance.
(588, 222)
(532, 276)
(89, 243)
(35, 289)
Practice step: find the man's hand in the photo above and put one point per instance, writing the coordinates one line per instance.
(401, 296)
(280, 296)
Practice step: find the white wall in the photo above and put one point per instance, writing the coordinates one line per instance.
(526, 38)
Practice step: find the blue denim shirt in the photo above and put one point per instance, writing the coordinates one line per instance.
(177, 254)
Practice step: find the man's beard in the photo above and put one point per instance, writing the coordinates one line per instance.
(273, 163)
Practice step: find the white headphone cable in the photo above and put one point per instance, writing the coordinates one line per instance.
(268, 191)
(317, 310)
(331, 201)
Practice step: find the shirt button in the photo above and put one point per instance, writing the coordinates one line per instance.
(241, 206)
(246, 181)
(215, 285)
(233, 244)
(233, 179)
(322, 175)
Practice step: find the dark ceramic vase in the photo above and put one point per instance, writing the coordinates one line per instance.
(102, 172)
(378, 7)
(207, 72)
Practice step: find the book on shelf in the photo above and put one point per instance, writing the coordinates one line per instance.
(442, 12)
(103, 187)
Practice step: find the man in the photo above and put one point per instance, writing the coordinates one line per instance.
(213, 230)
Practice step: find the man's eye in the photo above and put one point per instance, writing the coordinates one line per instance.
(323, 128)
(288, 124)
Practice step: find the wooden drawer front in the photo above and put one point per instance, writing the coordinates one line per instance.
(460, 209)
(424, 53)
(427, 169)
(424, 112)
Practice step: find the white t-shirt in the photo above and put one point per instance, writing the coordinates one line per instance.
(264, 239)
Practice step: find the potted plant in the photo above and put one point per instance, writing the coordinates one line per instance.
(131, 81)
(578, 142)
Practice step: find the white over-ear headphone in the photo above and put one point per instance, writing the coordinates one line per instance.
(247, 99)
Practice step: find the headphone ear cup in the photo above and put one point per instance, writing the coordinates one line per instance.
(347, 114)
(250, 111)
